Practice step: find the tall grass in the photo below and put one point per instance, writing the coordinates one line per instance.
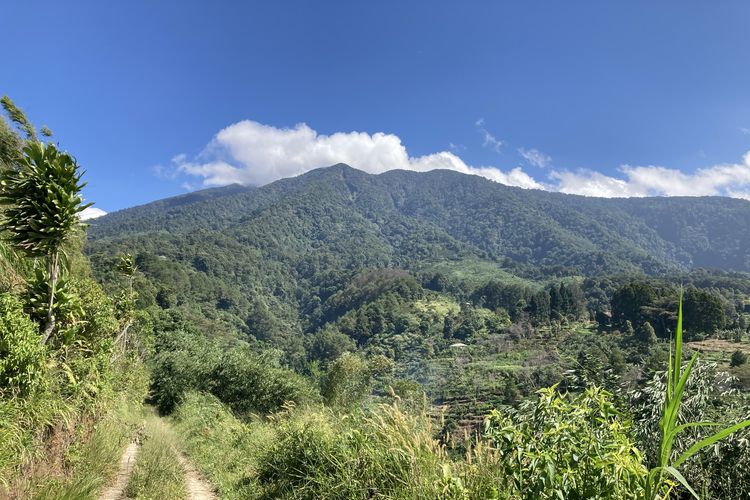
(314, 452)
(157, 473)
(90, 462)
(224, 448)
(59, 442)
(13, 268)
(657, 483)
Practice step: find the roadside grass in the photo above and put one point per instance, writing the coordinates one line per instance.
(157, 473)
(89, 463)
(225, 449)
(59, 444)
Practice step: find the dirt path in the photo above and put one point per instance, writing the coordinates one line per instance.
(198, 488)
(115, 492)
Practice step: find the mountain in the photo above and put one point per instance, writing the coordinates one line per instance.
(406, 217)
(290, 257)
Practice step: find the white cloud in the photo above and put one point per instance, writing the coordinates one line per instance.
(91, 213)
(534, 157)
(731, 179)
(490, 141)
(249, 152)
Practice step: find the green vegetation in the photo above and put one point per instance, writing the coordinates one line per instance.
(157, 473)
(322, 299)
(560, 447)
(42, 194)
(341, 335)
(225, 448)
(91, 459)
(677, 379)
(67, 408)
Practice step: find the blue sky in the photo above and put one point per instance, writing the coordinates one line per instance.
(610, 98)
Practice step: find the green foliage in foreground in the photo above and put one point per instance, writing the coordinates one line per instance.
(560, 447)
(391, 453)
(668, 464)
(21, 355)
(92, 460)
(42, 194)
(225, 448)
(67, 407)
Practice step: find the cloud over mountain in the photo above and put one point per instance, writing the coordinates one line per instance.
(731, 179)
(249, 152)
(92, 213)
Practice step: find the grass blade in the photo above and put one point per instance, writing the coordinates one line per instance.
(682, 480)
(709, 441)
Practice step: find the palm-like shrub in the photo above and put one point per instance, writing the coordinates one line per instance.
(43, 194)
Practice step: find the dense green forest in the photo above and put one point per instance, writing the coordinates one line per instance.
(344, 335)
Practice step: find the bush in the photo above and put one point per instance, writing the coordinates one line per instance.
(561, 447)
(739, 358)
(385, 453)
(21, 355)
(223, 447)
(347, 381)
(742, 374)
(173, 374)
(250, 382)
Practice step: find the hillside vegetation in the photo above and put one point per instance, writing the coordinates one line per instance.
(342, 335)
(432, 300)
(71, 384)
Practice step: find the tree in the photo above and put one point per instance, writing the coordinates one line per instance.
(126, 301)
(739, 358)
(43, 193)
(628, 330)
(328, 344)
(629, 300)
(704, 312)
(646, 334)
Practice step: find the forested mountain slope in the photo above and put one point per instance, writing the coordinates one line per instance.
(265, 261)
(401, 217)
(425, 288)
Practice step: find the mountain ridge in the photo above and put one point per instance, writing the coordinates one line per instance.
(659, 233)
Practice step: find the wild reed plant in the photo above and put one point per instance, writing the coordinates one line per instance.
(657, 483)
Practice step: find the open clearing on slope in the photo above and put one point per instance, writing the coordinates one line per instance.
(718, 345)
